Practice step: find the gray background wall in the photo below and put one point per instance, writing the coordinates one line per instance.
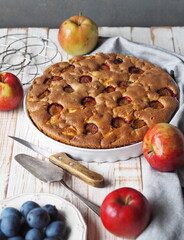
(50, 13)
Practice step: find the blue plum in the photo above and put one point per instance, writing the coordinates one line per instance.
(55, 229)
(10, 211)
(27, 207)
(52, 210)
(34, 234)
(10, 225)
(38, 218)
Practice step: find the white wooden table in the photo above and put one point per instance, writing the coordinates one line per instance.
(15, 180)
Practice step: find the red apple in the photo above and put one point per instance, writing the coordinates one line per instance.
(125, 212)
(163, 147)
(11, 91)
(78, 35)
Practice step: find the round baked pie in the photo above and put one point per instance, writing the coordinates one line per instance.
(101, 101)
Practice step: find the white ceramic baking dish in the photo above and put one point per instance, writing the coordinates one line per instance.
(85, 154)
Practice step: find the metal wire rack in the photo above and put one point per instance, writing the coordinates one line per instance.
(26, 56)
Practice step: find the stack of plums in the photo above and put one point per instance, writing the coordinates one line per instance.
(31, 222)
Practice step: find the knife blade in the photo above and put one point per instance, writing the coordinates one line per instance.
(48, 172)
(67, 163)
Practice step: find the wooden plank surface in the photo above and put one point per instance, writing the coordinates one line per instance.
(15, 180)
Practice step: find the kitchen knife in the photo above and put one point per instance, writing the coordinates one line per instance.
(47, 172)
(67, 163)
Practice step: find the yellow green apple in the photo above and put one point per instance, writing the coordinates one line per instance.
(78, 35)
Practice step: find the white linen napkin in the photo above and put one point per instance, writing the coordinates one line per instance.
(163, 190)
(164, 193)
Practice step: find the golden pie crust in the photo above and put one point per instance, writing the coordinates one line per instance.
(101, 101)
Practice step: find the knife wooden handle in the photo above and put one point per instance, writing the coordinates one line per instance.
(77, 169)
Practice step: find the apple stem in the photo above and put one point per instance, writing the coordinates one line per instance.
(125, 201)
(1, 78)
(128, 199)
(150, 151)
(80, 19)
